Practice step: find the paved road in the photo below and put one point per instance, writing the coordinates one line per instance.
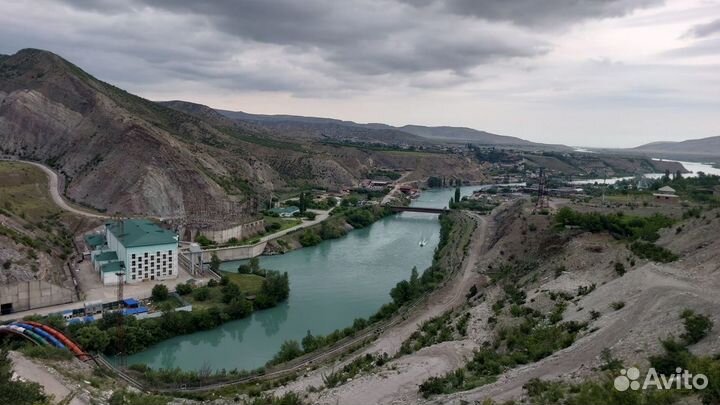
(53, 184)
(319, 217)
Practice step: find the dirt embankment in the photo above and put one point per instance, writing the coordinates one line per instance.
(578, 265)
(653, 295)
(398, 379)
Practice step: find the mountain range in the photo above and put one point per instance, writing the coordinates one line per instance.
(703, 147)
(119, 152)
(411, 134)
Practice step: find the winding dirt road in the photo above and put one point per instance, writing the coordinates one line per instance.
(54, 188)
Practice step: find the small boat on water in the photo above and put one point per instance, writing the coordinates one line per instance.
(422, 242)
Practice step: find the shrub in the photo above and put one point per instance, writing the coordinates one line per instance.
(696, 326)
(183, 289)
(202, 293)
(617, 305)
(289, 350)
(310, 238)
(650, 251)
(619, 268)
(160, 292)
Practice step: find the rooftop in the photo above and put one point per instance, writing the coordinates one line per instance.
(285, 210)
(666, 189)
(141, 232)
(113, 267)
(110, 255)
(95, 240)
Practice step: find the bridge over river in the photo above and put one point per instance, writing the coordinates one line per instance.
(425, 210)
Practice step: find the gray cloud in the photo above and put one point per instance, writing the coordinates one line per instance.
(704, 30)
(382, 37)
(535, 13)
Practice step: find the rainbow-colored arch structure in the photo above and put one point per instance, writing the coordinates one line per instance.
(43, 335)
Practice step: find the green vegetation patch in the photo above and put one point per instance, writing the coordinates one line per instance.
(619, 225)
(24, 191)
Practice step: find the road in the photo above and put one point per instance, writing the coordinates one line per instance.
(54, 188)
(52, 384)
(319, 217)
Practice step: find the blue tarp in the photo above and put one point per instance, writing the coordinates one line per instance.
(131, 303)
(135, 311)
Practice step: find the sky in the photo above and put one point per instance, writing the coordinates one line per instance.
(601, 73)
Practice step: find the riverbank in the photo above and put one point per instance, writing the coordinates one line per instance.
(332, 284)
(457, 235)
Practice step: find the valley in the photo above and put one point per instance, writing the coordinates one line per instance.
(202, 255)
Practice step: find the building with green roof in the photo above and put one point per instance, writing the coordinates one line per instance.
(140, 248)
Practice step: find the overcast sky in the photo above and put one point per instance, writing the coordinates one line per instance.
(611, 73)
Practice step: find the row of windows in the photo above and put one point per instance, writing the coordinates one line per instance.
(168, 253)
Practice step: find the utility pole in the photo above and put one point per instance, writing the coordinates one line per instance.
(120, 327)
(542, 202)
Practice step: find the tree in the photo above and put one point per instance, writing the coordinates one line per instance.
(310, 238)
(160, 293)
(201, 294)
(92, 338)
(183, 289)
(309, 342)
(414, 279)
(224, 280)
(231, 291)
(239, 307)
(275, 288)
(289, 350)
(401, 293)
(254, 265)
(215, 263)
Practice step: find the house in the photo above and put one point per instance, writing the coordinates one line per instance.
(666, 194)
(286, 212)
(138, 249)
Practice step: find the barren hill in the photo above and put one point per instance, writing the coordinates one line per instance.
(122, 153)
(705, 147)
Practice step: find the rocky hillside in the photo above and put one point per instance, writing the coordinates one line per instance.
(122, 153)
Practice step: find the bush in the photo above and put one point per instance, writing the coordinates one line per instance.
(619, 268)
(310, 238)
(92, 338)
(183, 289)
(650, 251)
(201, 294)
(617, 305)
(289, 350)
(619, 225)
(696, 326)
(160, 293)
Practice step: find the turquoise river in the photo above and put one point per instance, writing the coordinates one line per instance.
(331, 284)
